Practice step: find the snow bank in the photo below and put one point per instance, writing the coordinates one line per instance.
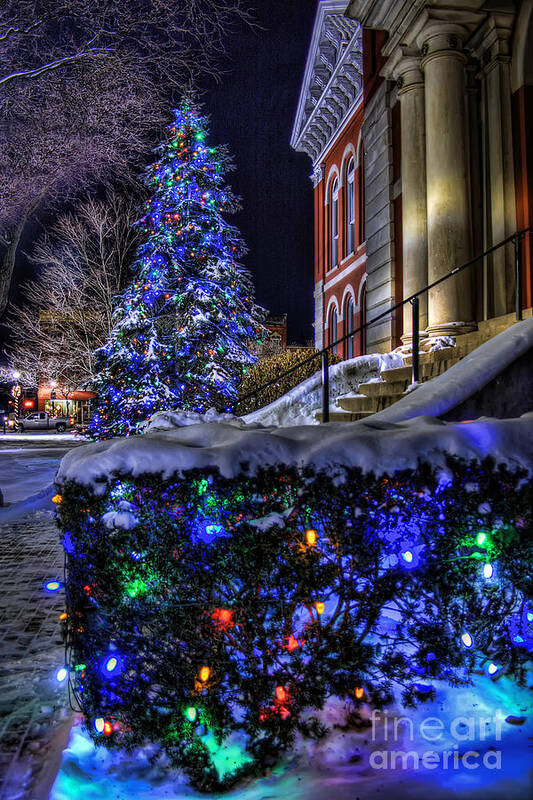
(299, 406)
(373, 445)
(167, 420)
(461, 381)
(42, 501)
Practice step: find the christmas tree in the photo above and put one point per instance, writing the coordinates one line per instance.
(184, 329)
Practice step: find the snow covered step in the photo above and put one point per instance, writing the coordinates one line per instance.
(435, 355)
(396, 375)
(358, 403)
(380, 388)
(428, 370)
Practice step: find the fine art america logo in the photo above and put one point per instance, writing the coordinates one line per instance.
(459, 743)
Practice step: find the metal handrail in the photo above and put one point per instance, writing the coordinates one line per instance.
(413, 299)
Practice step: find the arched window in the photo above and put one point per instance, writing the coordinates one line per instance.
(349, 327)
(350, 207)
(363, 321)
(362, 233)
(333, 329)
(335, 223)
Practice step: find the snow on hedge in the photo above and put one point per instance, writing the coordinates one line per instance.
(372, 445)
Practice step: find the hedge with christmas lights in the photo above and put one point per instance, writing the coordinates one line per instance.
(185, 328)
(271, 368)
(201, 608)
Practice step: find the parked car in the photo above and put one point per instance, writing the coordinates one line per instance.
(42, 421)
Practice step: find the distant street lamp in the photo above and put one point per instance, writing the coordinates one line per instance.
(16, 392)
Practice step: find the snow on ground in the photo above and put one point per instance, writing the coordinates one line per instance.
(37, 436)
(487, 756)
(27, 472)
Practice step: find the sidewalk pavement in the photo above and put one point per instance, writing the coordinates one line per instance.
(34, 716)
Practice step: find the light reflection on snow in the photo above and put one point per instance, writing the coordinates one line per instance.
(338, 766)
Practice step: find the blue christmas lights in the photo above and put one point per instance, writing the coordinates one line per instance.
(182, 329)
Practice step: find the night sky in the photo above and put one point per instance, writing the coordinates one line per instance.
(253, 111)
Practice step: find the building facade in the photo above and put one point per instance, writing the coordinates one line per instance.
(445, 140)
(328, 128)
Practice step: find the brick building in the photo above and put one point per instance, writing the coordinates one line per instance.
(433, 101)
(328, 128)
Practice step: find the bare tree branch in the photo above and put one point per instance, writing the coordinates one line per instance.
(85, 87)
(68, 309)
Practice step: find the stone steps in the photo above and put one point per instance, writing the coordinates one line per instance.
(436, 355)
(428, 370)
(342, 416)
(378, 389)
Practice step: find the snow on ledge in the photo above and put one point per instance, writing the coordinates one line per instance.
(373, 445)
(465, 378)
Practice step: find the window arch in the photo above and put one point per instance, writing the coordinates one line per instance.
(349, 325)
(362, 233)
(333, 328)
(335, 223)
(350, 207)
(363, 318)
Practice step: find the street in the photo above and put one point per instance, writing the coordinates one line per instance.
(28, 462)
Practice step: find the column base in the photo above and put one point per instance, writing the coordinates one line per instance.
(451, 328)
(407, 338)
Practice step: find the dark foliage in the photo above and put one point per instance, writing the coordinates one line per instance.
(188, 578)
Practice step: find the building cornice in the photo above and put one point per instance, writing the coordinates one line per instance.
(405, 20)
(332, 83)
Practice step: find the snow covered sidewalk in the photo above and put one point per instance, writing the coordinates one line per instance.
(34, 721)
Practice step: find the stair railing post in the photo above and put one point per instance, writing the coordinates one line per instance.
(325, 386)
(518, 275)
(415, 341)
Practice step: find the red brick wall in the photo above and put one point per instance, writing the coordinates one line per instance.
(344, 274)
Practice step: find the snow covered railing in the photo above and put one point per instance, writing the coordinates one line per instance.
(223, 582)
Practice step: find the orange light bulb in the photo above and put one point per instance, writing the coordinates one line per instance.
(311, 537)
(281, 694)
(319, 605)
(205, 672)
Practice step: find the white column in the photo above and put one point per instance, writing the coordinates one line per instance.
(450, 308)
(414, 205)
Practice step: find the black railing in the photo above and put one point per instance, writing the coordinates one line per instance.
(516, 238)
